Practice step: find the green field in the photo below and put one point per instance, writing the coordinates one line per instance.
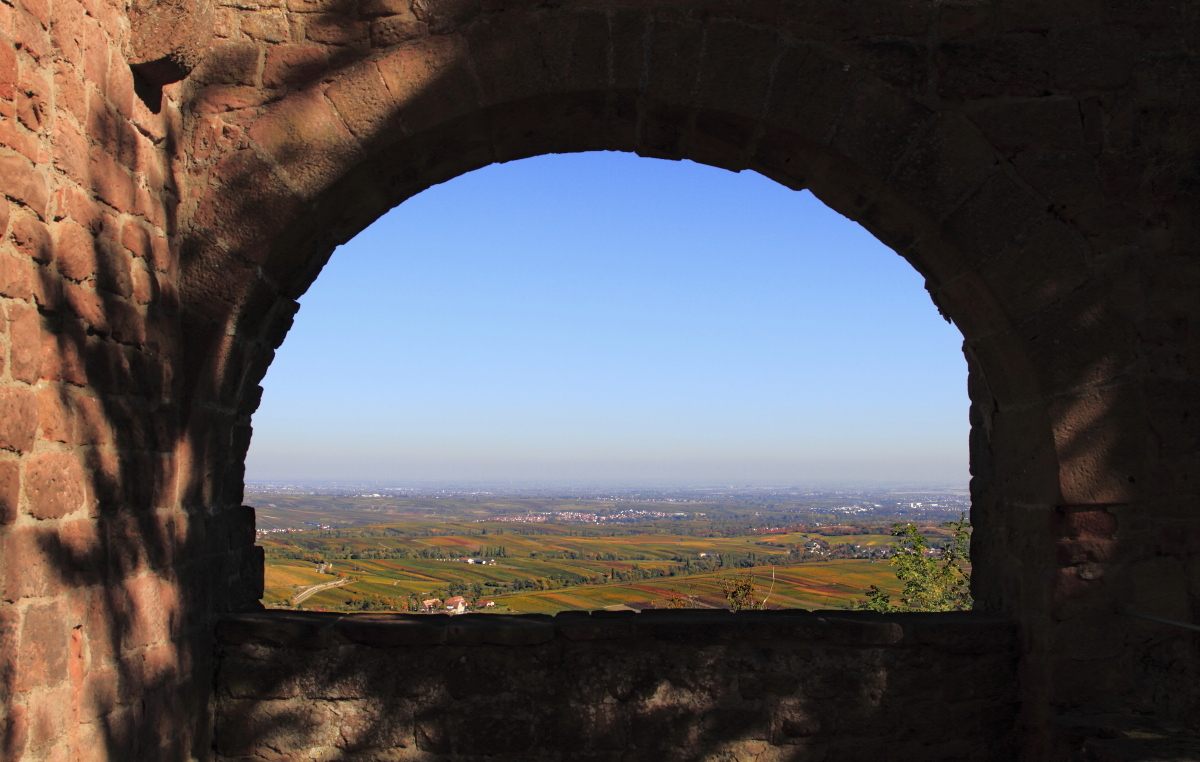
(553, 567)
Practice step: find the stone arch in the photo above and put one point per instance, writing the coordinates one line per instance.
(1036, 162)
(323, 158)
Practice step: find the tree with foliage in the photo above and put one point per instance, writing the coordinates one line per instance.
(741, 593)
(931, 582)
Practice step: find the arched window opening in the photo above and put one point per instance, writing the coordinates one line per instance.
(601, 381)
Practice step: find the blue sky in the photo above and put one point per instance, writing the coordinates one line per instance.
(608, 319)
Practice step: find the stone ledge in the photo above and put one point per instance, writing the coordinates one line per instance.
(950, 632)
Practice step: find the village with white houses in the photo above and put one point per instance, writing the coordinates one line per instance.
(455, 605)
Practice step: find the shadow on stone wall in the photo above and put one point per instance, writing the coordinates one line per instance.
(659, 685)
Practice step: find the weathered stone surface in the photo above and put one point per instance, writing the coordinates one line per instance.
(1035, 161)
(673, 683)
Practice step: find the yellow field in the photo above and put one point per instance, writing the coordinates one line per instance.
(820, 585)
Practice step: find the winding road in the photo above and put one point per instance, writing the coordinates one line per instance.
(313, 589)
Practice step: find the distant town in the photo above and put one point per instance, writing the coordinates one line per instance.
(444, 549)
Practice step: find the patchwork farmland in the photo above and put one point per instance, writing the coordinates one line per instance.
(551, 566)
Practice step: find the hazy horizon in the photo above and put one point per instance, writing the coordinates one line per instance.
(607, 318)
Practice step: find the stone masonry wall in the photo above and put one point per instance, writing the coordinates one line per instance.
(657, 686)
(111, 561)
(175, 173)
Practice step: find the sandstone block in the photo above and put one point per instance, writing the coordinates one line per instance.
(1010, 64)
(54, 485)
(393, 30)
(1052, 123)
(145, 286)
(294, 64)
(362, 100)
(15, 276)
(10, 489)
(445, 15)
(74, 204)
(31, 563)
(736, 69)
(55, 415)
(89, 306)
(218, 99)
(229, 63)
(1094, 57)
(878, 126)
(993, 216)
(111, 182)
(70, 91)
(151, 604)
(1040, 267)
(32, 239)
(372, 8)
(8, 67)
(44, 647)
(809, 93)
(335, 31)
(15, 135)
(18, 419)
(268, 26)
(307, 139)
(409, 72)
(62, 355)
(75, 252)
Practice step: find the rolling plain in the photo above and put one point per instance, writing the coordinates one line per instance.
(546, 556)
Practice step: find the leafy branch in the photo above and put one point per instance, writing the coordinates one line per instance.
(932, 581)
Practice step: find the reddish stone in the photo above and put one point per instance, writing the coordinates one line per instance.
(70, 92)
(15, 278)
(10, 490)
(31, 111)
(18, 418)
(387, 32)
(145, 284)
(8, 68)
(63, 356)
(385, 8)
(89, 306)
(72, 203)
(43, 656)
(24, 328)
(411, 69)
(230, 63)
(31, 567)
(54, 485)
(75, 252)
(363, 102)
(47, 290)
(111, 182)
(120, 88)
(136, 239)
(113, 275)
(54, 414)
(217, 99)
(4, 212)
(307, 140)
(335, 31)
(32, 239)
(34, 38)
(20, 182)
(294, 64)
(16, 136)
(95, 54)
(269, 26)
(70, 151)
